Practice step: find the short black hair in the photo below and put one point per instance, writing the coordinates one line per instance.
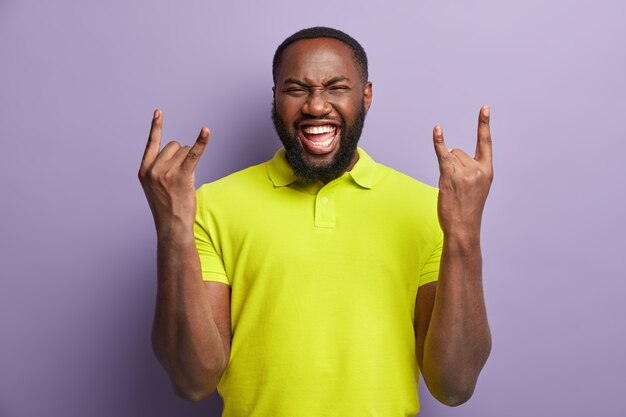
(323, 32)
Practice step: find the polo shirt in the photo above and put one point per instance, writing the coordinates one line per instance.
(323, 280)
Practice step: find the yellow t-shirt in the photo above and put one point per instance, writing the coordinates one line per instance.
(323, 282)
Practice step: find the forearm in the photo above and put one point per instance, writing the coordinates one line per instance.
(185, 337)
(458, 340)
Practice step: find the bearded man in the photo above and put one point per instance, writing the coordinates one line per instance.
(319, 283)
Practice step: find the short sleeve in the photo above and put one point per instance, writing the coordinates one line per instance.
(430, 270)
(211, 262)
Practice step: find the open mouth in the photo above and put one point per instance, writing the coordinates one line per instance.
(319, 139)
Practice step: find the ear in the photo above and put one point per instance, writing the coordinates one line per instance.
(367, 95)
(274, 91)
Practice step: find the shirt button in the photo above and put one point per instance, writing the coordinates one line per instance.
(324, 200)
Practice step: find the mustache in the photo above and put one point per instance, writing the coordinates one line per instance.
(304, 118)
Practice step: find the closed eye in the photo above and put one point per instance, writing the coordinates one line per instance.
(297, 91)
(338, 89)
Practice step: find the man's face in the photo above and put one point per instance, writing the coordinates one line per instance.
(320, 102)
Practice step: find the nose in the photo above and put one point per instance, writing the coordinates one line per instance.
(316, 104)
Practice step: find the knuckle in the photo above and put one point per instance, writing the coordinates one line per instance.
(152, 175)
(168, 176)
(143, 176)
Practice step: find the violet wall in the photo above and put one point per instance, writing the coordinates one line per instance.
(79, 81)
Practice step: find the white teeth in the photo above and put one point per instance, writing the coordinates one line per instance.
(323, 144)
(316, 130)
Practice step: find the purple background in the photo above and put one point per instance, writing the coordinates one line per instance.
(79, 81)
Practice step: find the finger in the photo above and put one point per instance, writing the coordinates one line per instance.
(440, 147)
(167, 153)
(179, 156)
(463, 157)
(442, 151)
(196, 150)
(483, 143)
(154, 139)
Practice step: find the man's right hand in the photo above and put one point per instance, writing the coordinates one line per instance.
(191, 330)
(167, 177)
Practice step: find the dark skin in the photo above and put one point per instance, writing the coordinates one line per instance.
(312, 84)
(191, 331)
(319, 79)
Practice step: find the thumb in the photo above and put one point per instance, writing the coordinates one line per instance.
(441, 149)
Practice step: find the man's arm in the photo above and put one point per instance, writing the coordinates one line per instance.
(453, 342)
(191, 331)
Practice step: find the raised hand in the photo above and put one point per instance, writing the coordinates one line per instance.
(464, 181)
(168, 179)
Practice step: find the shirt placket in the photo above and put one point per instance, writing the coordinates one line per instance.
(325, 213)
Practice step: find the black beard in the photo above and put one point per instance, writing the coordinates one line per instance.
(308, 173)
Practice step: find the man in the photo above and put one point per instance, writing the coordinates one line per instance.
(342, 278)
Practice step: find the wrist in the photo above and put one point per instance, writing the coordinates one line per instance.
(462, 241)
(175, 228)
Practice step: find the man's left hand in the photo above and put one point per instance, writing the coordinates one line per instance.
(464, 181)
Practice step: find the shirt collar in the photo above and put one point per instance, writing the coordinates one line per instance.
(363, 171)
(281, 173)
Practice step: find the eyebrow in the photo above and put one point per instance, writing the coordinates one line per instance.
(294, 81)
(335, 80)
(325, 84)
